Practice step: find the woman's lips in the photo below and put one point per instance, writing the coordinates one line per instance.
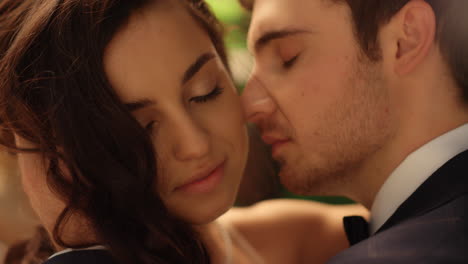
(204, 184)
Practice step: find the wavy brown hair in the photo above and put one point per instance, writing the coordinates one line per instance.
(54, 92)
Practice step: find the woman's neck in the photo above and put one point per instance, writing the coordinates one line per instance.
(216, 241)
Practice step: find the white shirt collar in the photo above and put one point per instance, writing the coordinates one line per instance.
(414, 171)
(81, 249)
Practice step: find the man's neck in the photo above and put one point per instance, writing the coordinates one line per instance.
(376, 170)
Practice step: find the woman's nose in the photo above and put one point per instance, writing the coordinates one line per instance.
(191, 140)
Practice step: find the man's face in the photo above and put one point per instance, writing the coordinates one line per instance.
(315, 97)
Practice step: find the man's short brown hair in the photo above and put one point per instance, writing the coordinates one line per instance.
(452, 30)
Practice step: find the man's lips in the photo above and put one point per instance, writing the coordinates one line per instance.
(275, 142)
(203, 181)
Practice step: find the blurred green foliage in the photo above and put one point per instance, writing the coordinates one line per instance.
(235, 19)
(229, 11)
(323, 199)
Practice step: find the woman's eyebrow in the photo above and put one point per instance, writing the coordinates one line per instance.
(137, 105)
(197, 65)
(188, 75)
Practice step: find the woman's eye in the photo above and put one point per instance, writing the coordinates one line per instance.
(149, 127)
(289, 63)
(207, 97)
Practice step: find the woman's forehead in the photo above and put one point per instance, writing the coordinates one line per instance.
(154, 48)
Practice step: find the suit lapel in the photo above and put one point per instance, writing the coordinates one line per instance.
(446, 184)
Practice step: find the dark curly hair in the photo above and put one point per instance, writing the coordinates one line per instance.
(54, 92)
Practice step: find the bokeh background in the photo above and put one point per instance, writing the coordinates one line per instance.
(236, 21)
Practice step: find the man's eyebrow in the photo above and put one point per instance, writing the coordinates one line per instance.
(269, 36)
(137, 105)
(197, 65)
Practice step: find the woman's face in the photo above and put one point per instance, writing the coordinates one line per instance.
(165, 68)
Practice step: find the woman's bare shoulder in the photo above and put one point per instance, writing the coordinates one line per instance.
(304, 224)
(287, 210)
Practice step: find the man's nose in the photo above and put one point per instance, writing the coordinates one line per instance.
(256, 101)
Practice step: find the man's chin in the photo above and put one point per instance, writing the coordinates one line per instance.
(294, 181)
(306, 181)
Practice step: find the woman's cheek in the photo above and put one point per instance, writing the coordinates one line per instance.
(34, 179)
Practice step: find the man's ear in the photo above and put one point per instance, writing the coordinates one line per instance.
(415, 35)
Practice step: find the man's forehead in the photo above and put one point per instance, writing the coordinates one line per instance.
(276, 15)
(280, 15)
(266, 16)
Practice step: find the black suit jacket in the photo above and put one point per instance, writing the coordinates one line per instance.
(83, 257)
(430, 227)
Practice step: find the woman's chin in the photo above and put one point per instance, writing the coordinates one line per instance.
(201, 214)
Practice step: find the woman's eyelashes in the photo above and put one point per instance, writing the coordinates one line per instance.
(149, 127)
(289, 63)
(207, 97)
